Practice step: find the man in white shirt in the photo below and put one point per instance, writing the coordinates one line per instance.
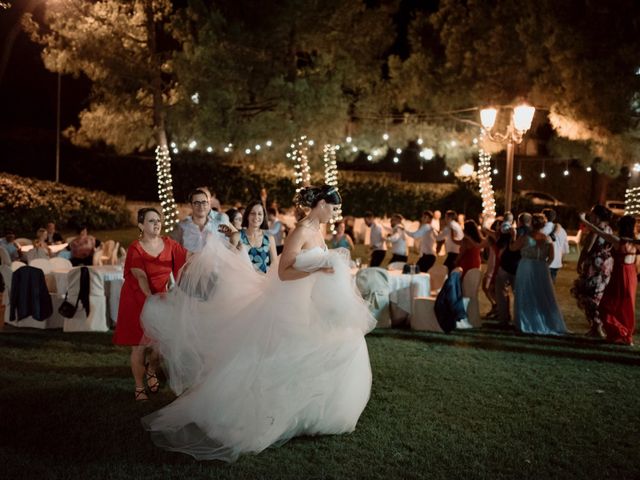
(560, 241)
(376, 240)
(192, 231)
(427, 235)
(452, 231)
(397, 240)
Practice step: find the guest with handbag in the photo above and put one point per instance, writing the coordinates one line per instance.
(150, 262)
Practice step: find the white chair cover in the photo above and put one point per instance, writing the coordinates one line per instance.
(470, 289)
(23, 241)
(42, 264)
(373, 284)
(5, 258)
(396, 266)
(438, 274)
(16, 265)
(59, 263)
(54, 321)
(423, 316)
(97, 319)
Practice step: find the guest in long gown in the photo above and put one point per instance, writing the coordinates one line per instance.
(594, 270)
(149, 264)
(617, 307)
(536, 307)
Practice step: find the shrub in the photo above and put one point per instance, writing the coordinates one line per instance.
(27, 204)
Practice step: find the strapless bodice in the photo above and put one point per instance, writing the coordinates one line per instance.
(312, 259)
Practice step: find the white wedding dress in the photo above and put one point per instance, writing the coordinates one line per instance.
(255, 360)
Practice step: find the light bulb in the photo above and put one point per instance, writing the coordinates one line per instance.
(385, 136)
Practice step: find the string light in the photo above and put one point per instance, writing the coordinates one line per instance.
(192, 144)
(300, 162)
(519, 177)
(396, 159)
(385, 136)
(632, 201)
(165, 188)
(209, 149)
(331, 177)
(445, 173)
(484, 182)
(398, 151)
(420, 141)
(495, 171)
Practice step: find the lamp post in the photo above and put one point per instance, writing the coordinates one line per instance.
(58, 129)
(519, 123)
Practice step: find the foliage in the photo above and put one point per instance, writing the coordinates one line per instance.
(577, 62)
(27, 204)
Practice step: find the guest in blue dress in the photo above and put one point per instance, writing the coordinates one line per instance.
(340, 238)
(260, 246)
(536, 306)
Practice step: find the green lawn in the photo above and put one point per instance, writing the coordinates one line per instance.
(481, 404)
(485, 404)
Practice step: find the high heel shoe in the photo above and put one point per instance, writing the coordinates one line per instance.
(153, 384)
(141, 394)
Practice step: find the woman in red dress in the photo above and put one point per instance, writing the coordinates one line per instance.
(471, 247)
(618, 304)
(149, 264)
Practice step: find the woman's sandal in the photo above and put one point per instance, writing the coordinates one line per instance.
(141, 394)
(152, 386)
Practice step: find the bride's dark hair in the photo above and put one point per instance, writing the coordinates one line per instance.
(310, 196)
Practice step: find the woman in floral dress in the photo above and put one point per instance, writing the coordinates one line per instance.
(594, 270)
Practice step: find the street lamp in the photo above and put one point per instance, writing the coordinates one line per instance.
(58, 129)
(519, 123)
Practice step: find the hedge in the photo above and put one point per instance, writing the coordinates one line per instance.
(27, 204)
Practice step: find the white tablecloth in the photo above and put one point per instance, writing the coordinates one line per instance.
(405, 287)
(113, 277)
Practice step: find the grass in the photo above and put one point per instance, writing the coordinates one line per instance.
(483, 404)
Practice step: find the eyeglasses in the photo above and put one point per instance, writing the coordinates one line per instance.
(201, 203)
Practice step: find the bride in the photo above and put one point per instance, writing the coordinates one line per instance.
(257, 360)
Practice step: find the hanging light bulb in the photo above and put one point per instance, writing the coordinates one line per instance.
(348, 139)
(209, 149)
(519, 177)
(495, 171)
(420, 141)
(385, 136)
(445, 173)
(543, 175)
(396, 159)
(269, 143)
(566, 173)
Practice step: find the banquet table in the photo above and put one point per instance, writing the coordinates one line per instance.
(113, 277)
(405, 287)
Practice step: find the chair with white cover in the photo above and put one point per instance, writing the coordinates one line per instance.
(54, 321)
(575, 240)
(423, 316)
(107, 254)
(438, 274)
(42, 264)
(396, 266)
(23, 242)
(5, 258)
(61, 264)
(97, 319)
(470, 289)
(5, 271)
(16, 265)
(373, 284)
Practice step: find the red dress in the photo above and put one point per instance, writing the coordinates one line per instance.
(128, 328)
(618, 304)
(470, 257)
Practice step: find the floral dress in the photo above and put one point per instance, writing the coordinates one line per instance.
(596, 272)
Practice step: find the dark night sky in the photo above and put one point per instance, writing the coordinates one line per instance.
(28, 90)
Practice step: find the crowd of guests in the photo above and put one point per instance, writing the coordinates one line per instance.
(80, 249)
(523, 256)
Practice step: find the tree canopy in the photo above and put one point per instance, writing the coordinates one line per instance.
(243, 70)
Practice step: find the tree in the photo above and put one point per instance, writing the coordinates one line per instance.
(275, 71)
(576, 59)
(123, 47)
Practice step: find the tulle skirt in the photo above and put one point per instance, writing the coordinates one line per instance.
(257, 361)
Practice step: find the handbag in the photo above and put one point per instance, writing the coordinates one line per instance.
(68, 309)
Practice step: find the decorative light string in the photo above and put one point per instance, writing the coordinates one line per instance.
(632, 201)
(165, 188)
(298, 154)
(484, 182)
(331, 177)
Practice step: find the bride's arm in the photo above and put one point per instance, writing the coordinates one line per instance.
(292, 246)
